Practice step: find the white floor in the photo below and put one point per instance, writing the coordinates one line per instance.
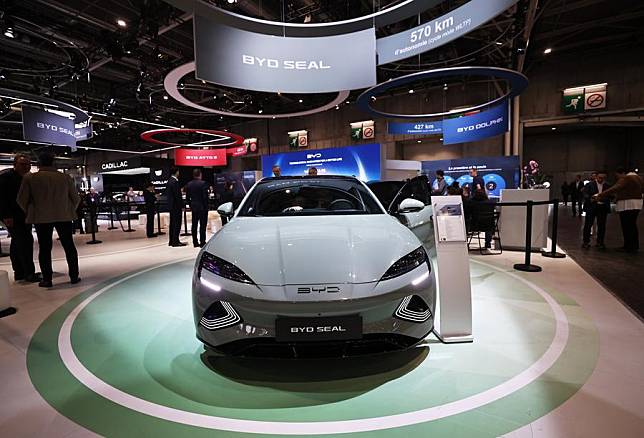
(611, 403)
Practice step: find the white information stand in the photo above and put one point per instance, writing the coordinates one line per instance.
(453, 319)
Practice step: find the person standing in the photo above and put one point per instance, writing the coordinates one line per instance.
(150, 199)
(477, 181)
(565, 193)
(439, 186)
(49, 199)
(595, 209)
(277, 172)
(175, 206)
(628, 191)
(197, 198)
(21, 249)
(576, 195)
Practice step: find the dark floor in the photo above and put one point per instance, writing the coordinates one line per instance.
(621, 273)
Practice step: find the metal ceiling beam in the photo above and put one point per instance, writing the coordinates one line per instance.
(527, 32)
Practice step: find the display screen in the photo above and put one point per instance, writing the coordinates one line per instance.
(47, 127)
(362, 161)
(497, 172)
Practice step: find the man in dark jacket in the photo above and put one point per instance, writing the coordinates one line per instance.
(22, 241)
(150, 208)
(197, 198)
(576, 195)
(595, 209)
(175, 206)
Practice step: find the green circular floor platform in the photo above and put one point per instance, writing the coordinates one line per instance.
(122, 359)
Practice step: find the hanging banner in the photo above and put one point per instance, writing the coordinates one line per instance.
(46, 127)
(494, 121)
(440, 31)
(237, 58)
(83, 131)
(415, 128)
(200, 157)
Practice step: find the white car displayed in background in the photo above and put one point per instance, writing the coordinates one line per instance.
(311, 262)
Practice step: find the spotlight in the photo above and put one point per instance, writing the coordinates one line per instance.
(411, 91)
(554, 128)
(419, 141)
(337, 107)
(445, 87)
(121, 22)
(373, 98)
(165, 97)
(548, 51)
(300, 101)
(8, 32)
(260, 111)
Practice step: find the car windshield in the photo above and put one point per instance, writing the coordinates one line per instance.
(309, 197)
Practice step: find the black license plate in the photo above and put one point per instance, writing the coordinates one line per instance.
(338, 328)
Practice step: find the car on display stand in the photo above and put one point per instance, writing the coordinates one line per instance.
(316, 261)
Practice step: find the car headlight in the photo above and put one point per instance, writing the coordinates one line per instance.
(223, 268)
(407, 264)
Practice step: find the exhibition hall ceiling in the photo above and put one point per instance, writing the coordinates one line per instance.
(111, 56)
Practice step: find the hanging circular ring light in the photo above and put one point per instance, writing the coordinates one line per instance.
(220, 138)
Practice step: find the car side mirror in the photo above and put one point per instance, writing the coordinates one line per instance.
(410, 205)
(226, 210)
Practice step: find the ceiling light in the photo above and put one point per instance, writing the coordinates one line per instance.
(445, 87)
(498, 43)
(347, 102)
(337, 107)
(260, 111)
(419, 141)
(300, 101)
(121, 22)
(411, 91)
(547, 51)
(9, 32)
(165, 97)
(554, 128)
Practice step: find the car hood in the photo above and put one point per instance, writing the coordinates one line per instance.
(281, 251)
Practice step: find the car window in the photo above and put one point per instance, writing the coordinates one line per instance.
(306, 197)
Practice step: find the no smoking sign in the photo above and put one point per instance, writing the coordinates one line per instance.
(595, 100)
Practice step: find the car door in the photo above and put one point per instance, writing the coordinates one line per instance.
(419, 222)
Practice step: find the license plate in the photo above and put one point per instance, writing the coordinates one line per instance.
(338, 328)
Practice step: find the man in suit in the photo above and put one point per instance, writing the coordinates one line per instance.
(22, 241)
(595, 209)
(49, 200)
(197, 198)
(175, 206)
(576, 195)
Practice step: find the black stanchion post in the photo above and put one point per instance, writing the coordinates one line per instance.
(185, 224)
(159, 232)
(92, 218)
(555, 223)
(111, 227)
(526, 266)
(129, 225)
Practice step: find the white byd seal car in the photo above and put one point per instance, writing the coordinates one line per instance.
(311, 262)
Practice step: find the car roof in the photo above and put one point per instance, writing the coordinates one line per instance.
(308, 177)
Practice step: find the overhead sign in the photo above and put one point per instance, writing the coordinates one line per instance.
(200, 157)
(253, 61)
(363, 130)
(488, 123)
(159, 177)
(47, 127)
(361, 161)
(415, 128)
(237, 151)
(83, 131)
(124, 164)
(584, 98)
(298, 139)
(439, 31)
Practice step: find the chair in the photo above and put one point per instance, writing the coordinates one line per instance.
(483, 218)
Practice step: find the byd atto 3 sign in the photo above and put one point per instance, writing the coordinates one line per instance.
(241, 59)
(200, 157)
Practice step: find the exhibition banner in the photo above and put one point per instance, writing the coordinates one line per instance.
(46, 127)
(415, 128)
(439, 31)
(488, 123)
(200, 157)
(123, 164)
(237, 58)
(362, 161)
(159, 177)
(498, 172)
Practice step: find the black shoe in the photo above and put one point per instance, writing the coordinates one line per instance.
(33, 278)
(179, 244)
(202, 245)
(150, 237)
(75, 280)
(17, 277)
(196, 245)
(45, 283)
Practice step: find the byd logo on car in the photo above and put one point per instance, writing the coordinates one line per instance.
(318, 329)
(481, 125)
(318, 289)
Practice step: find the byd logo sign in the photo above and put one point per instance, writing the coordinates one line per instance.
(54, 128)
(313, 156)
(481, 125)
(286, 64)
